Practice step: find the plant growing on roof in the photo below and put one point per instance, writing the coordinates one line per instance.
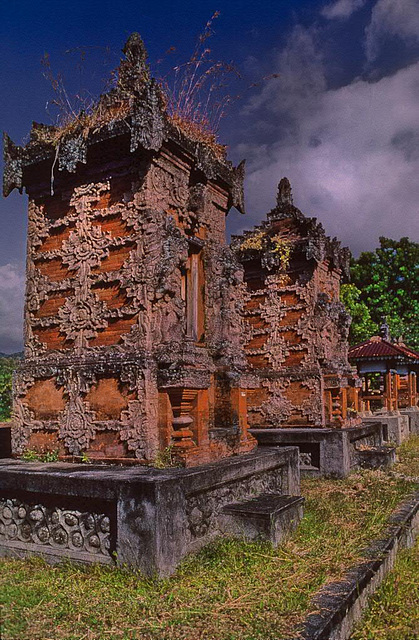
(282, 247)
(253, 242)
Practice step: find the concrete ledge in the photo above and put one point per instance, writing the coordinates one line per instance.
(341, 604)
(395, 425)
(328, 452)
(377, 457)
(413, 415)
(141, 517)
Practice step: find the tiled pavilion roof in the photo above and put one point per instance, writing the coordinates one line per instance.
(379, 348)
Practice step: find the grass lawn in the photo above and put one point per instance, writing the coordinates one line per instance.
(408, 457)
(393, 613)
(228, 591)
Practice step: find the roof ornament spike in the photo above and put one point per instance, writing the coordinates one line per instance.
(284, 195)
(384, 329)
(134, 71)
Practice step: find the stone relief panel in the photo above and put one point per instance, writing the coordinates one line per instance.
(24, 424)
(277, 409)
(139, 422)
(80, 532)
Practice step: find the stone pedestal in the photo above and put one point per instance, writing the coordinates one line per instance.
(144, 518)
(413, 415)
(395, 424)
(326, 452)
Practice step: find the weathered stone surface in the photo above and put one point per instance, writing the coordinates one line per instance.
(328, 452)
(396, 425)
(413, 415)
(140, 517)
(269, 517)
(376, 457)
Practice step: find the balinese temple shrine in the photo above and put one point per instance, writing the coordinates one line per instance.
(389, 372)
(297, 328)
(133, 324)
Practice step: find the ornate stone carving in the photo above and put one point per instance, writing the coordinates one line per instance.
(54, 528)
(82, 318)
(305, 459)
(138, 422)
(34, 348)
(38, 226)
(277, 408)
(86, 247)
(148, 121)
(71, 152)
(76, 427)
(123, 259)
(13, 166)
(76, 422)
(24, 423)
(165, 188)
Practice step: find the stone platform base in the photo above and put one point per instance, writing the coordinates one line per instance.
(395, 425)
(413, 415)
(328, 452)
(269, 517)
(377, 457)
(141, 517)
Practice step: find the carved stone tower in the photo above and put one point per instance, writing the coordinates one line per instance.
(297, 327)
(133, 322)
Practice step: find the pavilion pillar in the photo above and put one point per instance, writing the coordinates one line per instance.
(388, 394)
(396, 379)
(344, 403)
(366, 401)
(411, 386)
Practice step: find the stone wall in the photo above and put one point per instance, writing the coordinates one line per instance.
(143, 518)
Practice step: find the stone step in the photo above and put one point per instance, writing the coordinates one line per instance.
(270, 516)
(376, 457)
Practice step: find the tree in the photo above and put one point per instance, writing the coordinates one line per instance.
(362, 326)
(388, 282)
(7, 366)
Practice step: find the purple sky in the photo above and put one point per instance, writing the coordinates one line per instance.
(341, 121)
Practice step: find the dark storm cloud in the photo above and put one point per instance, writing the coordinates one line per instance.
(11, 307)
(350, 152)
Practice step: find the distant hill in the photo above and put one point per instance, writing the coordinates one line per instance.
(17, 356)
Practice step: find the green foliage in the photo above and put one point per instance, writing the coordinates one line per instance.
(362, 326)
(7, 366)
(48, 456)
(165, 458)
(388, 279)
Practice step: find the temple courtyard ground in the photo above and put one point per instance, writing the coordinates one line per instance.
(230, 590)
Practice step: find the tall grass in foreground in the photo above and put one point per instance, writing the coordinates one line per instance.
(229, 591)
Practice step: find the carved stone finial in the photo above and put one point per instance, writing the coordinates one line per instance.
(384, 328)
(135, 51)
(284, 196)
(134, 70)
